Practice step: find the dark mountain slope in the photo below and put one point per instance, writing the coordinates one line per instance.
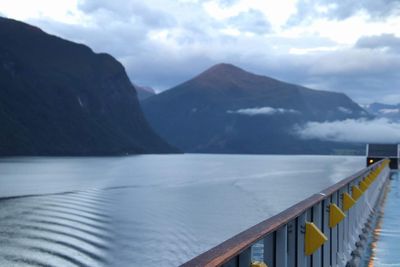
(59, 98)
(228, 110)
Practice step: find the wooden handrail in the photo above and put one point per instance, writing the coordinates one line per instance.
(225, 251)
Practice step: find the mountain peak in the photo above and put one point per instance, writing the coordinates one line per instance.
(229, 110)
(228, 77)
(223, 73)
(10, 25)
(225, 66)
(223, 69)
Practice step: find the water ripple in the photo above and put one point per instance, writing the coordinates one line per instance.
(63, 229)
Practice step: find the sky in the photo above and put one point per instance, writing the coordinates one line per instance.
(346, 46)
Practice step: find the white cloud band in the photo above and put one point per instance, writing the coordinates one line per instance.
(389, 111)
(351, 130)
(262, 111)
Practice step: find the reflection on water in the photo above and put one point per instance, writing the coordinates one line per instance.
(385, 248)
(146, 210)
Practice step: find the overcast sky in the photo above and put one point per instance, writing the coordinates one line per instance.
(349, 46)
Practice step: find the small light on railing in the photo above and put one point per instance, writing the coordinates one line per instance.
(371, 161)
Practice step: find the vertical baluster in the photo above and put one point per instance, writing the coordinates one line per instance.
(281, 247)
(269, 250)
(245, 258)
(301, 257)
(232, 263)
(326, 249)
(341, 237)
(291, 231)
(358, 220)
(317, 220)
(334, 234)
(351, 234)
(346, 231)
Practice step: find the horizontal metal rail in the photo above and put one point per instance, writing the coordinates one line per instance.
(321, 230)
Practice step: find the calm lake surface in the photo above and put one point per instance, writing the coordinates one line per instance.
(153, 210)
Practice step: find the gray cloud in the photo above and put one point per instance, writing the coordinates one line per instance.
(384, 41)
(251, 21)
(227, 3)
(130, 11)
(163, 43)
(351, 62)
(376, 9)
(354, 131)
(364, 75)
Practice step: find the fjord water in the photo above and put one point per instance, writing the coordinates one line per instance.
(156, 210)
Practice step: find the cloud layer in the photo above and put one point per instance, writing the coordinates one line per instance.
(345, 110)
(389, 111)
(262, 111)
(347, 46)
(354, 131)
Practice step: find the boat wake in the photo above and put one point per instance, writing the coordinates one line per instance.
(64, 229)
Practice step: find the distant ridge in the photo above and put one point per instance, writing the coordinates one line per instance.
(226, 109)
(60, 98)
(381, 110)
(144, 92)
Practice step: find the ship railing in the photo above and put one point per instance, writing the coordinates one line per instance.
(325, 229)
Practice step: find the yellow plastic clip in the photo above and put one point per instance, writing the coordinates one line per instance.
(348, 202)
(258, 264)
(363, 186)
(336, 215)
(357, 193)
(314, 238)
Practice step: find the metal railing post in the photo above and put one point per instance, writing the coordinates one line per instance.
(317, 220)
(347, 230)
(341, 261)
(245, 258)
(334, 243)
(291, 232)
(232, 263)
(301, 257)
(269, 250)
(326, 248)
(281, 247)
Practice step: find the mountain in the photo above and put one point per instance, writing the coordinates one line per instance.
(228, 110)
(60, 98)
(144, 92)
(384, 110)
